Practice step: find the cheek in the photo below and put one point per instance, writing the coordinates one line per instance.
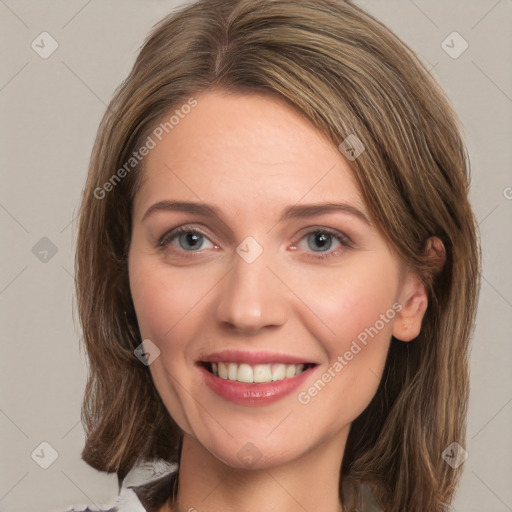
(357, 308)
(165, 304)
(352, 300)
(162, 298)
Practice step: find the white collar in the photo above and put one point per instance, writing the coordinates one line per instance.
(127, 501)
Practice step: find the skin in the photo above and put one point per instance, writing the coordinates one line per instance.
(251, 156)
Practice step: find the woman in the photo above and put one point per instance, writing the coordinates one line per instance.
(277, 267)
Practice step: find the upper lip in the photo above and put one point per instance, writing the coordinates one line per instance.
(260, 357)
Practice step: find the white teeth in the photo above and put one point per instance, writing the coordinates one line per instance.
(262, 373)
(279, 372)
(232, 371)
(245, 373)
(258, 373)
(290, 371)
(223, 371)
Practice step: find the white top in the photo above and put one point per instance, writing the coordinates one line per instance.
(127, 501)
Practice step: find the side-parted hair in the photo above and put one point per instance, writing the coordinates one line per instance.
(346, 73)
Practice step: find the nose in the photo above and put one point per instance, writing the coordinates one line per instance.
(252, 297)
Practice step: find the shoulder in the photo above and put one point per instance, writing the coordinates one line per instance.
(151, 496)
(156, 493)
(126, 501)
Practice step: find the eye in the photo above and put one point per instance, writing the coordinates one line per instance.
(185, 239)
(324, 242)
(321, 241)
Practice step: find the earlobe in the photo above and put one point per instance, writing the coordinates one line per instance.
(407, 325)
(414, 296)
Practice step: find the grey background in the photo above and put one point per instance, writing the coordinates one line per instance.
(50, 110)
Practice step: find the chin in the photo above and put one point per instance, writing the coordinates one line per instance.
(252, 454)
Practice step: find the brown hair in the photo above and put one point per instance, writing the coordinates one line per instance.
(347, 74)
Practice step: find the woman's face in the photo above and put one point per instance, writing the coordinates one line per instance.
(278, 266)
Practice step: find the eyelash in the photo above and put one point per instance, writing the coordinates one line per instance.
(164, 241)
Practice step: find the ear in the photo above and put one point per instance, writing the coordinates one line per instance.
(413, 294)
(414, 301)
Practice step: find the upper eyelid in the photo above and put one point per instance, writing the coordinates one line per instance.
(187, 227)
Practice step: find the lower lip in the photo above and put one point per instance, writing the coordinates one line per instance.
(253, 395)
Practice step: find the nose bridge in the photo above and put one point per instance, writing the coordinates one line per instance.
(252, 296)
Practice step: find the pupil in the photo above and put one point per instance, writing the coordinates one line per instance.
(322, 240)
(191, 240)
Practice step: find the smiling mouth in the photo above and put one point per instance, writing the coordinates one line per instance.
(255, 373)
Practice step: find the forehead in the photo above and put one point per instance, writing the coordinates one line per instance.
(248, 150)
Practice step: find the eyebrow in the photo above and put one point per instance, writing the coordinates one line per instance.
(290, 212)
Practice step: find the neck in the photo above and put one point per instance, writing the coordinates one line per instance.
(309, 483)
